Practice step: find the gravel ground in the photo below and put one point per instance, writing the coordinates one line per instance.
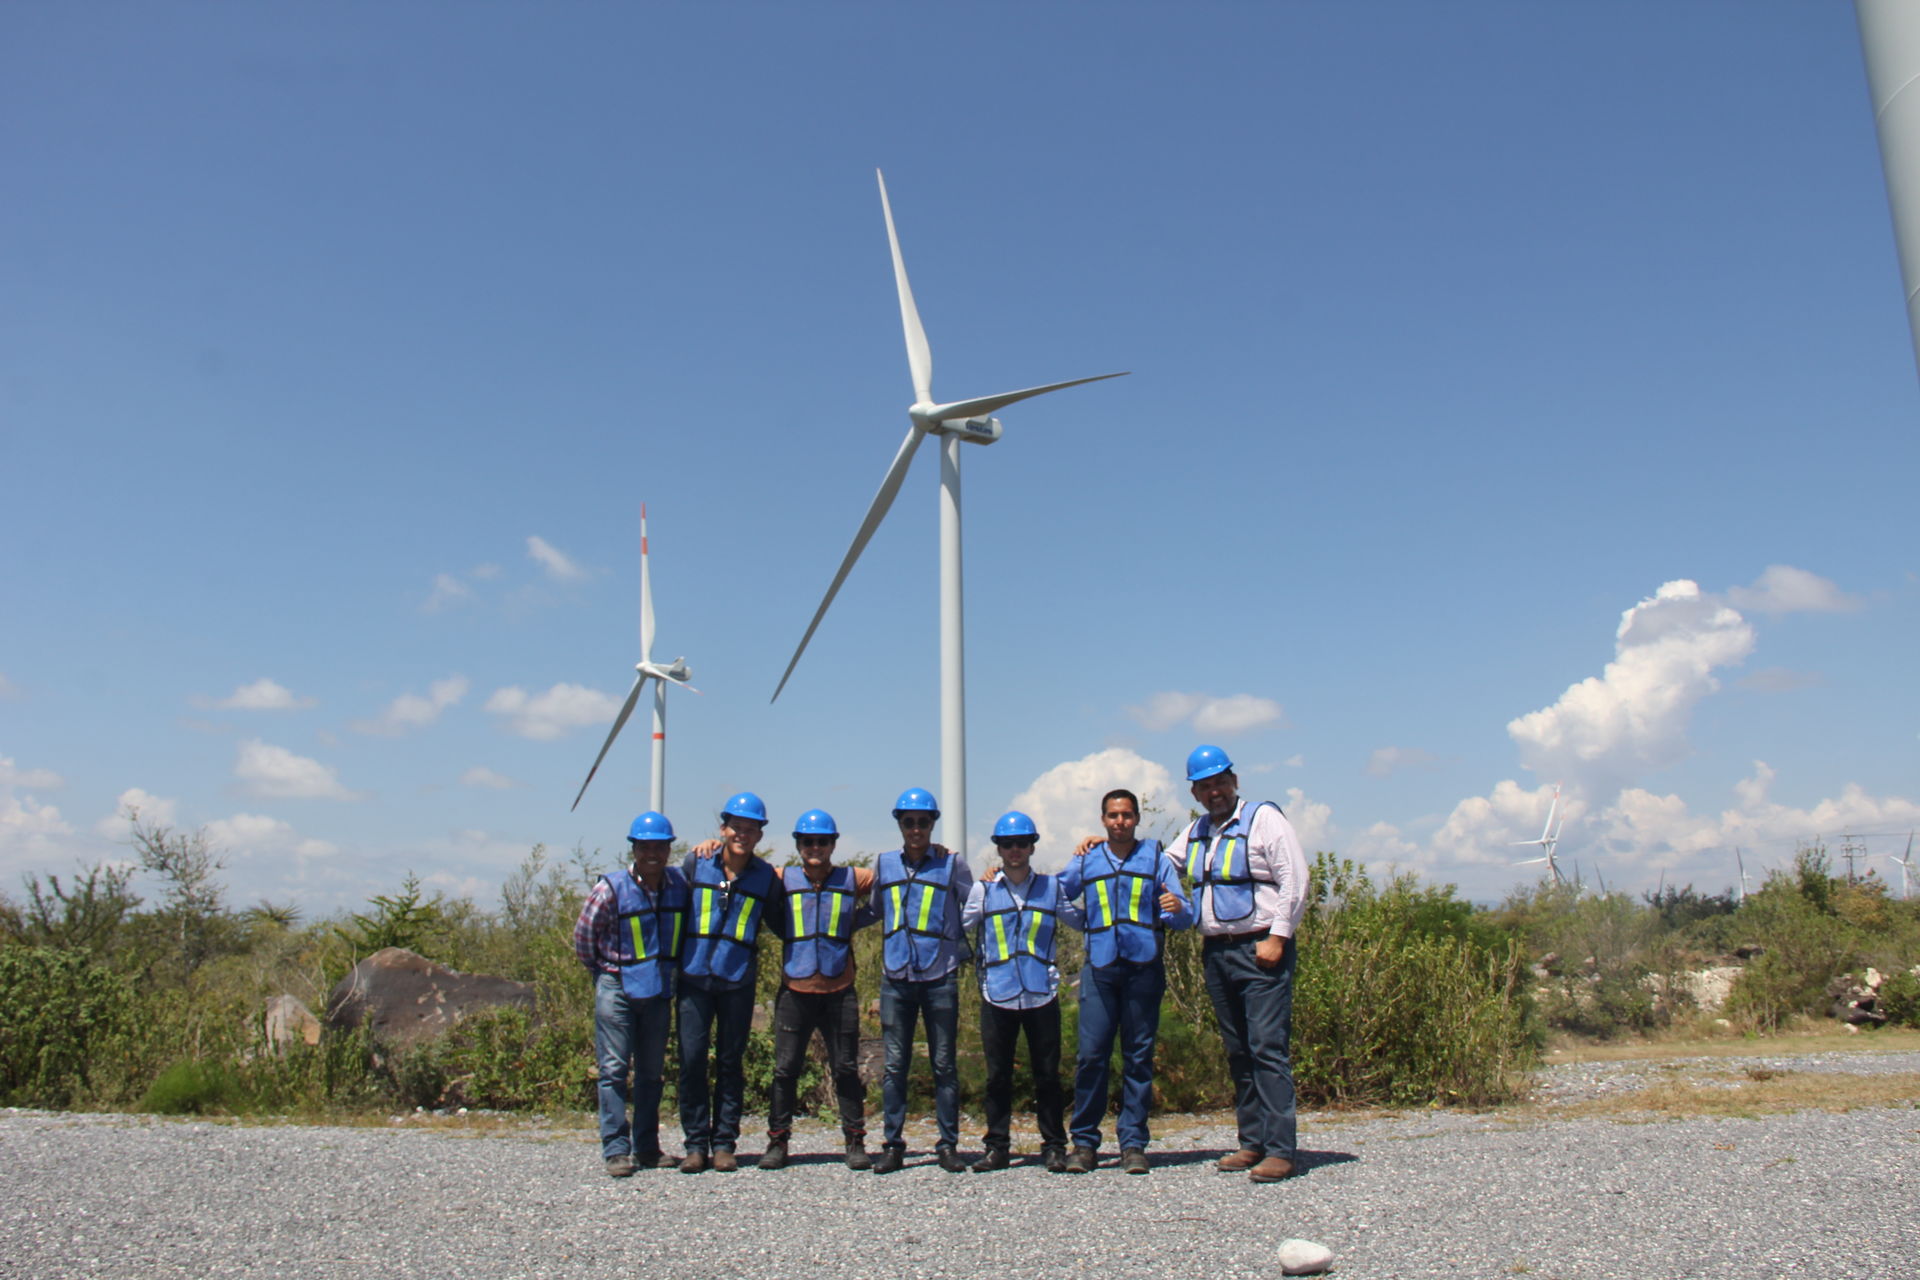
(1431, 1194)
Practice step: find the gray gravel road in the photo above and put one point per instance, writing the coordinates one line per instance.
(1434, 1194)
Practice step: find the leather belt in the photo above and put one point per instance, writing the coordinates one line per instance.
(1224, 938)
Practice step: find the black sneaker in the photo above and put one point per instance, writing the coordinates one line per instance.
(994, 1158)
(1133, 1160)
(890, 1161)
(620, 1166)
(857, 1157)
(949, 1158)
(1082, 1160)
(1055, 1158)
(775, 1156)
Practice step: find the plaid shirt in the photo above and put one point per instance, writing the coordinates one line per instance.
(593, 932)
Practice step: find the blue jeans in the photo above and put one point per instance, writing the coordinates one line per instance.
(720, 1020)
(1255, 1010)
(1122, 999)
(629, 1033)
(939, 1003)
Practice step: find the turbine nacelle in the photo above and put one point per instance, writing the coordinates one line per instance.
(675, 672)
(972, 430)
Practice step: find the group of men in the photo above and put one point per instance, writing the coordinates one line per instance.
(658, 938)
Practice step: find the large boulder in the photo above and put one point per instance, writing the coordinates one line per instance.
(404, 998)
(288, 1021)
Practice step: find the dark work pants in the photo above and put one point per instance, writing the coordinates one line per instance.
(1118, 1000)
(796, 1016)
(1255, 1010)
(1000, 1030)
(718, 1020)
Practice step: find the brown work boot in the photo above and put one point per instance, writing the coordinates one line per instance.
(695, 1161)
(724, 1161)
(1272, 1169)
(1240, 1161)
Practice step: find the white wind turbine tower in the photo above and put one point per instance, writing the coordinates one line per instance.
(1741, 863)
(954, 422)
(646, 669)
(1549, 839)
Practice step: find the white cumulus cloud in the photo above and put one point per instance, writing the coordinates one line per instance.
(160, 811)
(413, 711)
(481, 776)
(1064, 802)
(1208, 714)
(1607, 729)
(1785, 589)
(11, 775)
(558, 564)
(262, 695)
(273, 771)
(250, 835)
(555, 713)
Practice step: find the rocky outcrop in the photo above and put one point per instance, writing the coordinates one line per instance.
(289, 1022)
(404, 998)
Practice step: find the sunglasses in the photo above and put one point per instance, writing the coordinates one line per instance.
(1014, 842)
(815, 842)
(915, 823)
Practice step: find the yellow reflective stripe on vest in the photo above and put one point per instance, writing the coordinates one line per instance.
(1033, 932)
(899, 911)
(639, 943)
(1196, 858)
(1106, 906)
(1226, 858)
(833, 917)
(746, 919)
(678, 917)
(1000, 937)
(926, 907)
(707, 897)
(1133, 899)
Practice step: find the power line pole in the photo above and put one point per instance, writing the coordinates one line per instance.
(1850, 849)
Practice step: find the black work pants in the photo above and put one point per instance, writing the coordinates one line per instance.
(1000, 1030)
(796, 1016)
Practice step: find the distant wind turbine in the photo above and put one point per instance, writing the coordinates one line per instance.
(646, 669)
(1741, 863)
(1549, 839)
(1906, 864)
(954, 422)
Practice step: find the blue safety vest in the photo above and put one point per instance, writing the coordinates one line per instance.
(1016, 940)
(1122, 899)
(723, 924)
(913, 908)
(648, 936)
(1217, 862)
(821, 923)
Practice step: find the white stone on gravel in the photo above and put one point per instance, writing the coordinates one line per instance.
(1304, 1258)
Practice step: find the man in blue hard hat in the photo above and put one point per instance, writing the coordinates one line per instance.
(628, 937)
(921, 887)
(1250, 876)
(1018, 912)
(733, 898)
(1131, 892)
(816, 987)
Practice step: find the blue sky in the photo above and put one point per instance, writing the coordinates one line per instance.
(340, 344)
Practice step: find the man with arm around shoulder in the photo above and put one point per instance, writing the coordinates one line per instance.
(1250, 879)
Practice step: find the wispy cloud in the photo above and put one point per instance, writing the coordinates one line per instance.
(1222, 716)
(447, 591)
(1785, 589)
(555, 713)
(557, 563)
(11, 775)
(483, 777)
(262, 695)
(271, 771)
(411, 711)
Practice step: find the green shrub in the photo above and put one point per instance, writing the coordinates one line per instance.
(1900, 1000)
(192, 1087)
(59, 1010)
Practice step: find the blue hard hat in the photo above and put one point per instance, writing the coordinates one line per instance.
(651, 826)
(815, 822)
(745, 805)
(1014, 823)
(916, 799)
(1204, 762)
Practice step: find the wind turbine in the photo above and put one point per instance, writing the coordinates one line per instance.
(955, 422)
(1741, 863)
(1549, 838)
(646, 669)
(1906, 865)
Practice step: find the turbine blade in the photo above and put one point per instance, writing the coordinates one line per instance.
(619, 722)
(987, 404)
(646, 593)
(919, 354)
(1548, 828)
(889, 488)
